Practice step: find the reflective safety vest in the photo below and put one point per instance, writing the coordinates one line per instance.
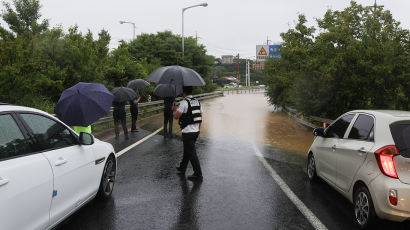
(79, 129)
(193, 114)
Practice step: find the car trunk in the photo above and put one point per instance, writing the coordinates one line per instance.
(401, 136)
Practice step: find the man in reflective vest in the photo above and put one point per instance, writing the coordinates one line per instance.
(189, 113)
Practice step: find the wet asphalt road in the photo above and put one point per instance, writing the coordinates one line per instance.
(237, 191)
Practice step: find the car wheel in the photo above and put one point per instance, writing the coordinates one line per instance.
(363, 208)
(311, 168)
(107, 179)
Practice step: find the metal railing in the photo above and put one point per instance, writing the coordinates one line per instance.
(308, 120)
(154, 106)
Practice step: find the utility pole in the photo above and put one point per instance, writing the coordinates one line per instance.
(267, 40)
(248, 73)
(237, 72)
(375, 5)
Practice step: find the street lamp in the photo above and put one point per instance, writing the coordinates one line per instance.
(133, 24)
(183, 10)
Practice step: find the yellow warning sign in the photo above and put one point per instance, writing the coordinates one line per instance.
(262, 52)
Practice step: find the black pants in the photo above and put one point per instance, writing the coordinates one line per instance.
(168, 118)
(134, 116)
(189, 140)
(119, 117)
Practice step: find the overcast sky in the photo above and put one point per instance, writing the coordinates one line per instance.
(224, 27)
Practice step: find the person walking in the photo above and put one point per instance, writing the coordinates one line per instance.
(189, 113)
(134, 111)
(168, 116)
(120, 117)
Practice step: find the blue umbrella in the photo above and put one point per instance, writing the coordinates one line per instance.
(83, 104)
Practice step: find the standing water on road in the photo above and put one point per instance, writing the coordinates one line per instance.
(250, 117)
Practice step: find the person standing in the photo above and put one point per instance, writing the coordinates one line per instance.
(189, 113)
(120, 117)
(168, 116)
(134, 111)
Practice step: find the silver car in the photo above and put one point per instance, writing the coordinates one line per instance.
(365, 155)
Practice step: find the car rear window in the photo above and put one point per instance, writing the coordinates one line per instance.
(401, 137)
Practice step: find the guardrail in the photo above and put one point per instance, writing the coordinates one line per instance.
(244, 91)
(155, 106)
(308, 120)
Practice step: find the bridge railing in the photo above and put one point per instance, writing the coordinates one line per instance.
(155, 106)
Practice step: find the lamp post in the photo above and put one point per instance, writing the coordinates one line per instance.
(133, 25)
(183, 10)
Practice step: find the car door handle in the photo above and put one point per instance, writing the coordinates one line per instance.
(3, 181)
(362, 150)
(60, 161)
(334, 147)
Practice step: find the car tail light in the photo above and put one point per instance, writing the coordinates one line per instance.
(384, 158)
(393, 197)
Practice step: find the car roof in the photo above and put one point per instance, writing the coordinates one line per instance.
(387, 113)
(7, 107)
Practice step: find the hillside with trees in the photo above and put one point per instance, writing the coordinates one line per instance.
(38, 62)
(357, 58)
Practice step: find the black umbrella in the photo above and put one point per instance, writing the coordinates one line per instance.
(83, 104)
(176, 75)
(137, 84)
(122, 94)
(166, 90)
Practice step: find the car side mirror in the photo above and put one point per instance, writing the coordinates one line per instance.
(86, 139)
(319, 132)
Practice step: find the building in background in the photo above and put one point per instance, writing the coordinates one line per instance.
(227, 59)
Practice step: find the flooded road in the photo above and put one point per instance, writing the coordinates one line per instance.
(250, 117)
(238, 190)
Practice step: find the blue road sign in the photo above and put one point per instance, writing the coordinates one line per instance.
(274, 51)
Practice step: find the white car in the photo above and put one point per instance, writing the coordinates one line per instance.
(47, 171)
(365, 155)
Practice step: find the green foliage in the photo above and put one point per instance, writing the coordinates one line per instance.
(37, 62)
(359, 59)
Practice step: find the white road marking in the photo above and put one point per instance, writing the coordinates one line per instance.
(138, 142)
(316, 223)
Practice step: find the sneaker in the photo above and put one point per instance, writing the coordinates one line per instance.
(195, 177)
(134, 130)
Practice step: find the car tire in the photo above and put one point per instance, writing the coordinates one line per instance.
(311, 168)
(363, 210)
(107, 179)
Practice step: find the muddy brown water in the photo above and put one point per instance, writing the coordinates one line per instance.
(247, 117)
(250, 117)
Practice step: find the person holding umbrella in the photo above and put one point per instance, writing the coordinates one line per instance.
(189, 112)
(121, 97)
(134, 111)
(135, 85)
(82, 104)
(168, 93)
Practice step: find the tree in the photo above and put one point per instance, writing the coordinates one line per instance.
(358, 60)
(23, 20)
